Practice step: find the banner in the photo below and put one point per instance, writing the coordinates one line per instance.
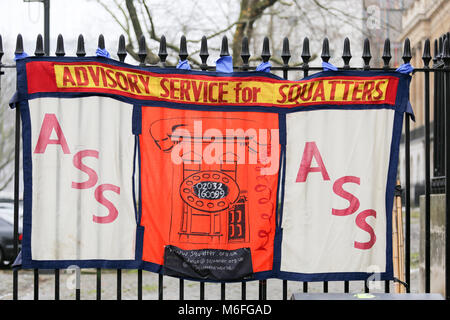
(78, 168)
(209, 182)
(209, 176)
(335, 193)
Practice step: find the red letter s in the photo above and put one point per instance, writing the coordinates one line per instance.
(361, 222)
(113, 213)
(354, 202)
(93, 178)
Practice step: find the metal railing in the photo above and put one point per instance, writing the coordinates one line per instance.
(440, 69)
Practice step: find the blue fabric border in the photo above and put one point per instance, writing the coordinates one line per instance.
(212, 107)
(95, 263)
(27, 166)
(137, 120)
(133, 180)
(140, 184)
(280, 195)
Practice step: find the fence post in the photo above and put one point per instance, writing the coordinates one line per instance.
(346, 54)
(245, 54)
(204, 54)
(406, 59)
(162, 54)
(306, 55)
(446, 58)
(426, 57)
(366, 56)
(121, 51)
(386, 54)
(142, 53)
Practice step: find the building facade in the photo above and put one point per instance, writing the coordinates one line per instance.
(383, 19)
(423, 19)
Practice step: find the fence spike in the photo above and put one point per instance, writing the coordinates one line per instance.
(446, 53)
(224, 47)
(346, 53)
(60, 46)
(406, 51)
(204, 53)
(101, 41)
(1, 49)
(386, 53)
(39, 51)
(448, 36)
(285, 52)
(366, 54)
(19, 44)
(436, 51)
(245, 53)
(265, 54)
(325, 50)
(306, 55)
(80, 46)
(121, 51)
(426, 56)
(142, 52)
(442, 46)
(439, 56)
(162, 54)
(183, 54)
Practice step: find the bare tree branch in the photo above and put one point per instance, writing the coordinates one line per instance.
(251, 19)
(250, 11)
(152, 58)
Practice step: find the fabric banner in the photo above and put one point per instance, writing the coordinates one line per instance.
(207, 175)
(335, 218)
(78, 168)
(209, 181)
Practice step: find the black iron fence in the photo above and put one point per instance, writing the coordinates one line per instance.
(439, 70)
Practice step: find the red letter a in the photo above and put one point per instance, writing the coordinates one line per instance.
(49, 124)
(311, 151)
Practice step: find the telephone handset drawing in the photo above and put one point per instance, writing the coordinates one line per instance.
(168, 132)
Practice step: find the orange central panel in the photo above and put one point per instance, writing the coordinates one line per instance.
(209, 181)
